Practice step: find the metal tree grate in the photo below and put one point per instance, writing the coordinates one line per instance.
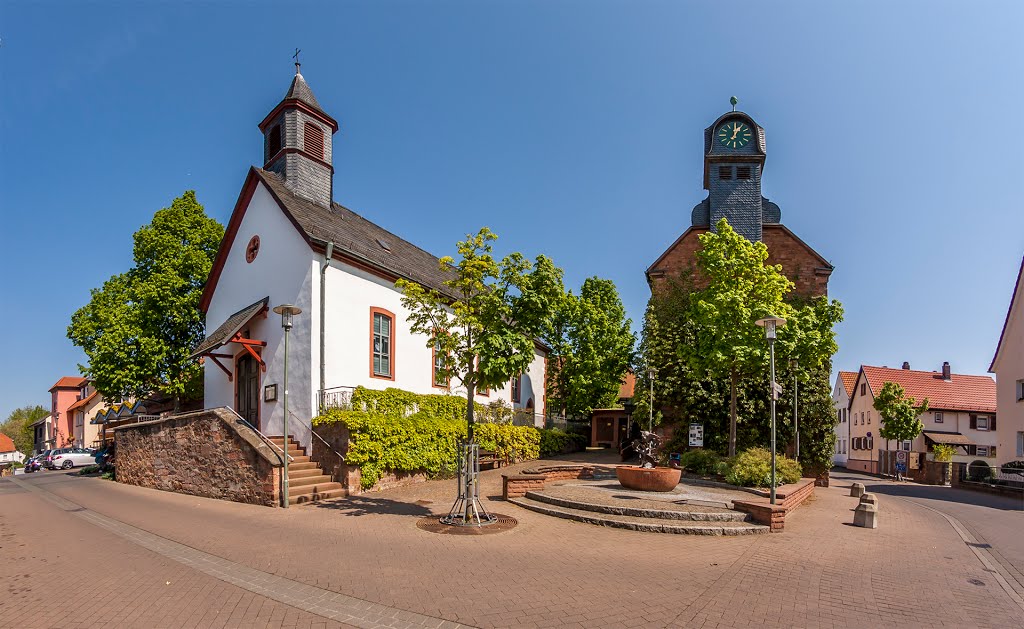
(433, 524)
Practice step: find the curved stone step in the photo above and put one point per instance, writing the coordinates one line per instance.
(650, 525)
(656, 514)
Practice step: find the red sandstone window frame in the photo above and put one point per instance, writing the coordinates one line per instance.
(433, 371)
(392, 357)
(517, 389)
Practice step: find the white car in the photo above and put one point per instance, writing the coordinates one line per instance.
(67, 458)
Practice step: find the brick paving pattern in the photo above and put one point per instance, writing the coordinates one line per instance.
(914, 569)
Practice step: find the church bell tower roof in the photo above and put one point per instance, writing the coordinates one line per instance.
(299, 90)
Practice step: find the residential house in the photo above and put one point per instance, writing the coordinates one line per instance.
(42, 434)
(8, 452)
(289, 242)
(841, 402)
(86, 433)
(63, 394)
(961, 413)
(1008, 365)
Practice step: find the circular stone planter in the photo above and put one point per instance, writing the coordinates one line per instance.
(648, 479)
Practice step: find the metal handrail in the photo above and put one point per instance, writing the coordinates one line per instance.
(277, 449)
(313, 432)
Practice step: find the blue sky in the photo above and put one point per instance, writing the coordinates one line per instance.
(570, 128)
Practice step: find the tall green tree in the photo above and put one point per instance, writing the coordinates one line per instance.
(591, 342)
(18, 426)
(139, 328)
(485, 328)
(740, 289)
(900, 414)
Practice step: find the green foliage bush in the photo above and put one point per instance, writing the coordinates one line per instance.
(944, 453)
(703, 462)
(752, 468)
(554, 441)
(421, 442)
(393, 402)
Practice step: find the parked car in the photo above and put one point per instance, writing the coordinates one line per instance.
(67, 458)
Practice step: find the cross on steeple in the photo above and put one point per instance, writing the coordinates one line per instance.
(296, 57)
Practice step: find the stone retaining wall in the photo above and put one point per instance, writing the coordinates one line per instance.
(788, 497)
(516, 485)
(209, 453)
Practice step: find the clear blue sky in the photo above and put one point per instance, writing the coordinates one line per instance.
(570, 128)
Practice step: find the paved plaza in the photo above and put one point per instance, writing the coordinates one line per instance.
(78, 551)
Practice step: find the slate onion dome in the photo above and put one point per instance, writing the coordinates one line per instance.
(298, 143)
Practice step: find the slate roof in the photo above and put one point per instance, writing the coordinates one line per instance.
(69, 382)
(232, 325)
(358, 237)
(299, 90)
(960, 393)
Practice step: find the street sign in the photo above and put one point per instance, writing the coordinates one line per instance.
(901, 466)
(776, 391)
(696, 435)
(869, 434)
(901, 456)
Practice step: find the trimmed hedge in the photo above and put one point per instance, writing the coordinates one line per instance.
(421, 442)
(753, 468)
(702, 462)
(554, 442)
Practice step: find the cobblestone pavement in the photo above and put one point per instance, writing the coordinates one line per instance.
(915, 570)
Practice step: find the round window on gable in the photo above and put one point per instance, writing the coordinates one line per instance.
(252, 249)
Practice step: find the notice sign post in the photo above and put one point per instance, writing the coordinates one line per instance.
(696, 435)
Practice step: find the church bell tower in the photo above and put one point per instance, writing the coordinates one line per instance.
(298, 142)
(734, 154)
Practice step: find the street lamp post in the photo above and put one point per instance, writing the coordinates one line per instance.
(287, 311)
(770, 324)
(651, 373)
(794, 364)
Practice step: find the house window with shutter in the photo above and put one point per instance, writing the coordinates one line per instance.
(938, 417)
(982, 451)
(980, 422)
(313, 140)
(1020, 393)
(382, 344)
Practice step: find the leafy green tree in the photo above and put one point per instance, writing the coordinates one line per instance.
(485, 329)
(591, 344)
(740, 289)
(18, 426)
(899, 413)
(139, 328)
(709, 372)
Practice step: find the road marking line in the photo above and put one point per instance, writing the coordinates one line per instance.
(325, 603)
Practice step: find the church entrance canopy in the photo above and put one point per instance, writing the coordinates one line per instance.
(231, 332)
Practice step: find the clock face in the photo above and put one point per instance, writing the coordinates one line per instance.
(734, 134)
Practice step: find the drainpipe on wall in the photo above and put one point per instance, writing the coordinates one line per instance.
(323, 319)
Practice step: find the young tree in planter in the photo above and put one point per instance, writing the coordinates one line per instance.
(591, 347)
(899, 413)
(140, 327)
(485, 328)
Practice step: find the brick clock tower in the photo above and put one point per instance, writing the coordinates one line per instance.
(734, 156)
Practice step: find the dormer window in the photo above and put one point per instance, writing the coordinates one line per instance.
(314, 140)
(725, 173)
(273, 141)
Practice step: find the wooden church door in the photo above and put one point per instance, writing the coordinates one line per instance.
(247, 395)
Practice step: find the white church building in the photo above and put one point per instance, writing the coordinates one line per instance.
(288, 242)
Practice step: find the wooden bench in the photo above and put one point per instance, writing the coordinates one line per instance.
(491, 458)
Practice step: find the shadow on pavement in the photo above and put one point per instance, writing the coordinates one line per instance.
(934, 492)
(364, 505)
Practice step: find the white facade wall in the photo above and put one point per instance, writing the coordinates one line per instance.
(288, 271)
(284, 270)
(952, 421)
(1009, 370)
(840, 402)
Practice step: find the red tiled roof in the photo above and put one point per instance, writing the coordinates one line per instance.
(83, 402)
(960, 393)
(849, 379)
(628, 383)
(6, 445)
(69, 382)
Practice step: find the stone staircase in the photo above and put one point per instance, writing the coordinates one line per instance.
(307, 483)
(664, 520)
